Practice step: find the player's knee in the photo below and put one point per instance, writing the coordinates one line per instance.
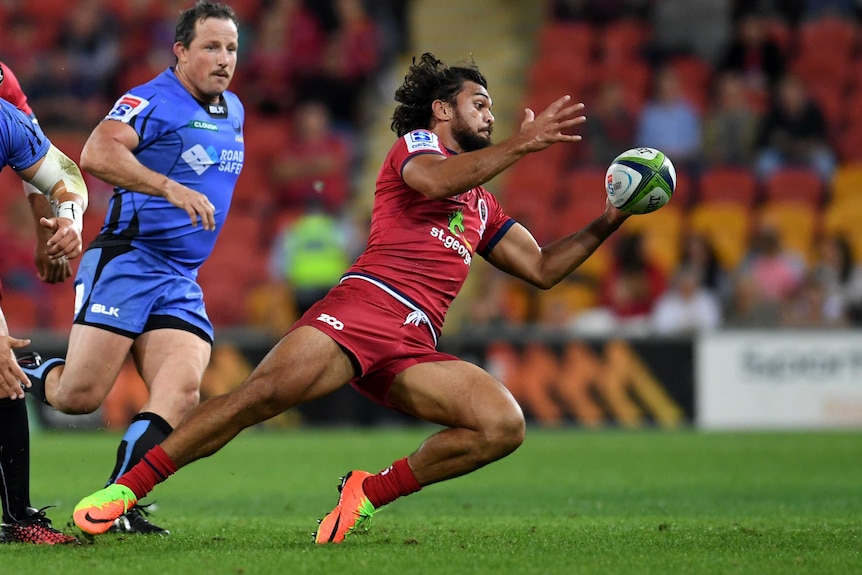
(504, 433)
(75, 401)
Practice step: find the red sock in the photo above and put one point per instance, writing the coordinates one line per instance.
(153, 468)
(390, 484)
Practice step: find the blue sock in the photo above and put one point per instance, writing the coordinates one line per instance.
(38, 374)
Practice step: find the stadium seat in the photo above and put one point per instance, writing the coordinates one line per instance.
(843, 219)
(583, 199)
(797, 184)
(828, 33)
(725, 184)
(727, 226)
(694, 74)
(575, 39)
(662, 233)
(847, 184)
(797, 224)
(622, 40)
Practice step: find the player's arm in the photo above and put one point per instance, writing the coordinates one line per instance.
(518, 253)
(437, 177)
(50, 270)
(59, 178)
(108, 156)
(11, 374)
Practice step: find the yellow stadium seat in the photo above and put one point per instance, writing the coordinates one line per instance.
(727, 226)
(847, 184)
(662, 233)
(797, 224)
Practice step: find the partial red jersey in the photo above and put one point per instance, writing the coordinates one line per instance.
(10, 90)
(421, 248)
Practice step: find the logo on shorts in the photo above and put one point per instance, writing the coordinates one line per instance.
(329, 320)
(104, 310)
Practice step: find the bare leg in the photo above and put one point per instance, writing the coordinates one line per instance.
(305, 365)
(485, 422)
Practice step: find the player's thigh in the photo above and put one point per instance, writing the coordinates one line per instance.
(171, 360)
(454, 394)
(305, 364)
(94, 359)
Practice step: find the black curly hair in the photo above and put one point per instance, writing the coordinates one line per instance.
(428, 80)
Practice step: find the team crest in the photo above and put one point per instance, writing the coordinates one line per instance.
(127, 108)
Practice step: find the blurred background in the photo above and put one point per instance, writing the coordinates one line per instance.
(736, 305)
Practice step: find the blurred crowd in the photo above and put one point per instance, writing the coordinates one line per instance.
(757, 102)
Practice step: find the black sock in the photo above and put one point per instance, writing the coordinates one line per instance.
(145, 432)
(14, 459)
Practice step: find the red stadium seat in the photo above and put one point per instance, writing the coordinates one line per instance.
(575, 39)
(795, 184)
(828, 33)
(721, 184)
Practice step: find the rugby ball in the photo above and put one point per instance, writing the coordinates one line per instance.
(640, 180)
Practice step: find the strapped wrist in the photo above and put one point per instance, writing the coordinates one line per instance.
(71, 211)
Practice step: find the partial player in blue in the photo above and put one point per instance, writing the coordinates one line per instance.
(26, 149)
(173, 149)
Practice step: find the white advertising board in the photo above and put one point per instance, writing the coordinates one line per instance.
(778, 379)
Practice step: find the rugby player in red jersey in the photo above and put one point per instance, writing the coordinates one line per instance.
(378, 329)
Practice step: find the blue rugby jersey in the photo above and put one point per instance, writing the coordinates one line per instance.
(22, 143)
(197, 144)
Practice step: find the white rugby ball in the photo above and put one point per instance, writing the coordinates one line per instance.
(640, 180)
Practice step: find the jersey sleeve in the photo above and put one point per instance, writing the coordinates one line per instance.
(495, 221)
(23, 142)
(414, 144)
(142, 114)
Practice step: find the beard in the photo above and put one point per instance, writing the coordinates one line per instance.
(467, 139)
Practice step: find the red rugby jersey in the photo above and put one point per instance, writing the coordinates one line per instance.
(10, 90)
(422, 248)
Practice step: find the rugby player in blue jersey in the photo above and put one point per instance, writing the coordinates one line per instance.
(173, 149)
(26, 149)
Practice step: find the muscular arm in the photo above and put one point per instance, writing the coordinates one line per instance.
(108, 156)
(518, 254)
(439, 177)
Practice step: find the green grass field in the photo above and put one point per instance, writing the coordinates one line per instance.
(567, 502)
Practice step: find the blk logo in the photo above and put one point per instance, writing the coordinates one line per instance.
(101, 309)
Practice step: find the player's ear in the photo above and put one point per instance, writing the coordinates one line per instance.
(441, 110)
(179, 51)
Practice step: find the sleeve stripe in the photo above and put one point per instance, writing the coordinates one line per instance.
(497, 237)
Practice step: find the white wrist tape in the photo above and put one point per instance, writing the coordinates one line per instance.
(71, 211)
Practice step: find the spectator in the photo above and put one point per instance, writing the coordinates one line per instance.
(310, 255)
(687, 307)
(351, 57)
(835, 267)
(754, 55)
(695, 27)
(699, 254)
(811, 306)
(288, 50)
(627, 291)
(775, 271)
(730, 125)
(794, 133)
(669, 122)
(315, 164)
(609, 129)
